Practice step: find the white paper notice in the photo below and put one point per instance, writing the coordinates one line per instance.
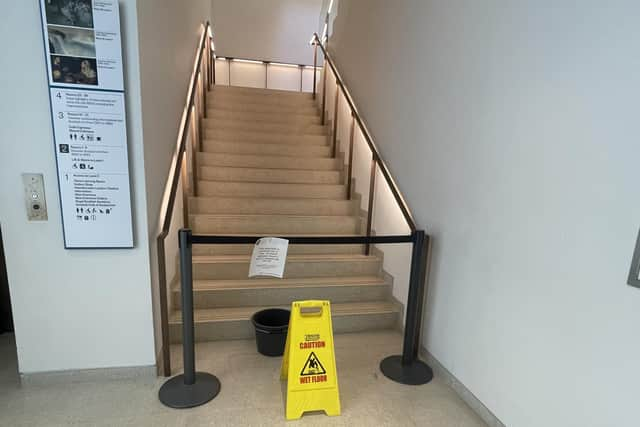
(268, 258)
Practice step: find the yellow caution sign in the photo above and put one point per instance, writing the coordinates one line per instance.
(309, 361)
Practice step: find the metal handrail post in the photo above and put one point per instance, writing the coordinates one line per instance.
(335, 118)
(324, 91)
(315, 66)
(350, 161)
(372, 188)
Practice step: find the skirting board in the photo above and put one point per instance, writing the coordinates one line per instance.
(461, 390)
(86, 375)
(448, 378)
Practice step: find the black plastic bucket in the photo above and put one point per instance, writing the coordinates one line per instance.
(271, 330)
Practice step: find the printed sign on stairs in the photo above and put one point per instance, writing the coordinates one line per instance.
(269, 257)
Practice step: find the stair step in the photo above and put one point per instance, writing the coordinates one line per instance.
(242, 98)
(249, 292)
(285, 176)
(273, 224)
(234, 323)
(331, 265)
(245, 249)
(290, 150)
(264, 137)
(222, 205)
(267, 117)
(243, 90)
(268, 162)
(221, 104)
(265, 169)
(271, 190)
(306, 129)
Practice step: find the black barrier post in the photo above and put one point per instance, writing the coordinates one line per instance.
(191, 388)
(407, 368)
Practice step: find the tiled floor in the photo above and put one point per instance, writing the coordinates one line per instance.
(251, 395)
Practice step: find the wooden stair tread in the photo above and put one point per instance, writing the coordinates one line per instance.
(277, 216)
(270, 184)
(250, 132)
(274, 199)
(323, 142)
(287, 132)
(272, 206)
(244, 313)
(266, 157)
(212, 109)
(268, 283)
(264, 117)
(279, 156)
(259, 90)
(212, 259)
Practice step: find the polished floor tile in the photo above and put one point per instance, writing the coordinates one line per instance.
(252, 394)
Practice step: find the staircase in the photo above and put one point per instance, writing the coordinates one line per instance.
(266, 169)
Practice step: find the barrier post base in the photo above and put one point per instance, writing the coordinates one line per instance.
(415, 373)
(174, 393)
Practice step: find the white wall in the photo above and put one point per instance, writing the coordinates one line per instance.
(91, 308)
(169, 34)
(387, 218)
(512, 130)
(73, 309)
(275, 30)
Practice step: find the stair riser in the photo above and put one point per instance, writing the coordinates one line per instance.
(205, 224)
(271, 93)
(309, 110)
(263, 137)
(238, 270)
(249, 117)
(243, 329)
(293, 249)
(284, 296)
(221, 205)
(261, 162)
(265, 127)
(266, 149)
(280, 191)
(289, 101)
(288, 176)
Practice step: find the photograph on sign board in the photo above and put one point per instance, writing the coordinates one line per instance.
(71, 41)
(75, 13)
(73, 70)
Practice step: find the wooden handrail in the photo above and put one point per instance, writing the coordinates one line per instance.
(175, 171)
(174, 180)
(367, 136)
